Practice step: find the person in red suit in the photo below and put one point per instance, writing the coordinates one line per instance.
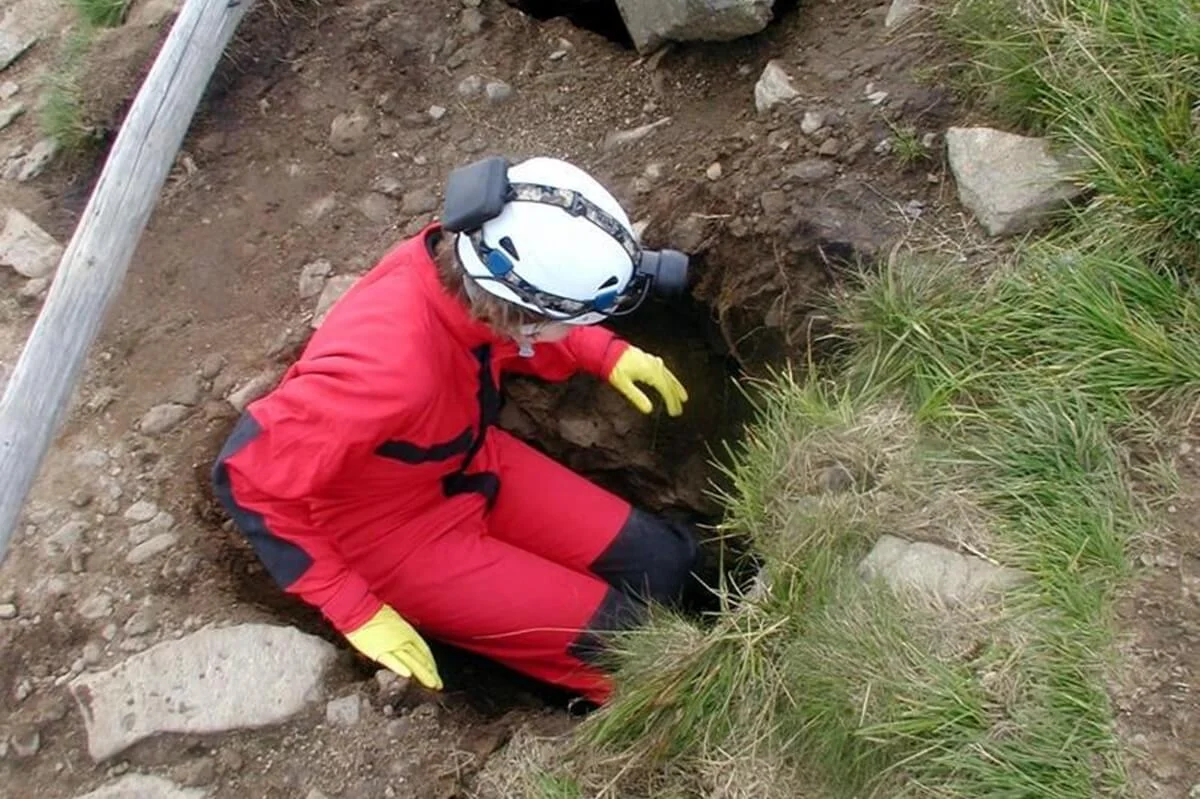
(373, 482)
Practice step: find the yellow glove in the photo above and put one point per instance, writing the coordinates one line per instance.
(392, 642)
(636, 366)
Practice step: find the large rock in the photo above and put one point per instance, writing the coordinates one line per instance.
(248, 676)
(143, 786)
(900, 11)
(935, 572)
(1011, 183)
(652, 22)
(26, 247)
(13, 44)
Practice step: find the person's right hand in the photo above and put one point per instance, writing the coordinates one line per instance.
(392, 642)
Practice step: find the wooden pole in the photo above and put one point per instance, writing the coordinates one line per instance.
(95, 262)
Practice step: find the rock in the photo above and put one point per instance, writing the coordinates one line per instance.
(318, 210)
(97, 606)
(388, 186)
(344, 711)
(9, 114)
(812, 122)
(652, 22)
(143, 786)
(348, 131)
(37, 159)
(377, 208)
(23, 691)
(255, 387)
(163, 418)
(877, 97)
(334, 289)
(619, 138)
(81, 498)
(212, 365)
(26, 247)
(8, 611)
(196, 773)
(773, 87)
(65, 538)
(418, 201)
(935, 572)
(13, 45)
(142, 622)
(214, 680)
(7, 89)
(26, 742)
(35, 289)
(498, 91)
(690, 234)
(1011, 183)
(229, 761)
(830, 147)
(900, 11)
(187, 390)
(161, 522)
(774, 202)
(312, 278)
(151, 547)
(92, 653)
(436, 112)
(472, 21)
(470, 86)
(714, 171)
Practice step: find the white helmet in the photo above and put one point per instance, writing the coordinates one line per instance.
(552, 247)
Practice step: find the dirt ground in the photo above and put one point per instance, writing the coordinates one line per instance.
(211, 303)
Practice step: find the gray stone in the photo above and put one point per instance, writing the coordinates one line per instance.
(9, 114)
(65, 538)
(151, 547)
(498, 91)
(312, 278)
(472, 21)
(773, 202)
(377, 208)
(334, 289)
(26, 742)
(37, 159)
(774, 87)
(935, 572)
(348, 131)
(812, 122)
(34, 289)
(26, 247)
(830, 147)
(418, 201)
(900, 11)
(162, 418)
(161, 522)
(7, 89)
(8, 611)
(142, 622)
(318, 209)
(141, 511)
(255, 387)
(214, 680)
(811, 170)
(436, 112)
(714, 171)
(652, 22)
(212, 365)
(13, 45)
(92, 653)
(388, 186)
(344, 711)
(97, 606)
(143, 786)
(470, 86)
(196, 773)
(187, 390)
(1011, 183)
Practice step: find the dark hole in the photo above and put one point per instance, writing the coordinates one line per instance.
(598, 16)
(612, 281)
(509, 247)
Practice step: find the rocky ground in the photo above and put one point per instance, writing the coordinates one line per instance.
(142, 641)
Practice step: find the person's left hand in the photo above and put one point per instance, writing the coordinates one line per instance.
(636, 366)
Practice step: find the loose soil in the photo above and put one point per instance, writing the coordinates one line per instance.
(772, 217)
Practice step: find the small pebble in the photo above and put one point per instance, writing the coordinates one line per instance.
(81, 497)
(26, 742)
(714, 171)
(436, 112)
(8, 611)
(498, 91)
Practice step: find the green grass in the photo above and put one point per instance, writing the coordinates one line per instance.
(1115, 80)
(102, 13)
(1023, 413)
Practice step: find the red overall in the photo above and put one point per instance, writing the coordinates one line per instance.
(372, 475)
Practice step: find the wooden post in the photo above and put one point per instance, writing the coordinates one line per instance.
(95, 262)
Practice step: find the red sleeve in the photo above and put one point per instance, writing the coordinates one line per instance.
(589, 348)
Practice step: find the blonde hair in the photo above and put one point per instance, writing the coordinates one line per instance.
(503, 317)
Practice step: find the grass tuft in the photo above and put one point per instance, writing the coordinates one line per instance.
(102, 13)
